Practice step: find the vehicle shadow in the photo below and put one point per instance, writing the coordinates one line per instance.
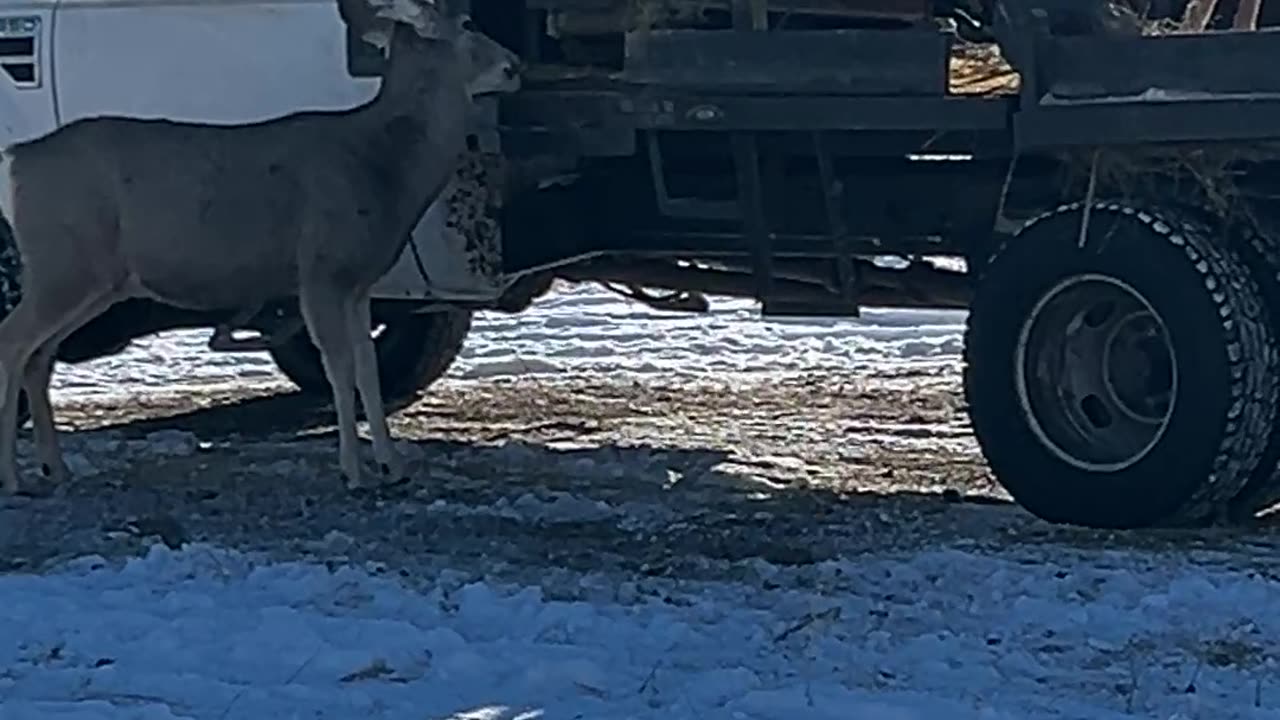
(657, 508)
(221, 415)
(266, 482)
(266, 476)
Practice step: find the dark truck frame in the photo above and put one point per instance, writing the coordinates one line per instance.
(1115, 211)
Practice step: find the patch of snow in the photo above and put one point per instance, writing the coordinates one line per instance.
(580, 329)
(335, 542)
(586, 329)
(206, 633)
(561, 508)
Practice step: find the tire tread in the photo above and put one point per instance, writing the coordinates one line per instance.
(1251, 350)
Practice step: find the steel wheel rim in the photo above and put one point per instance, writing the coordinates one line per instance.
(1096, 373)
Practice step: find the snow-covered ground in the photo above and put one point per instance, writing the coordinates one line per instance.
(584, 329)
(205, 633)
(1027, 632)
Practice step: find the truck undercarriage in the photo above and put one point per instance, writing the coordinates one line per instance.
(1106, 176)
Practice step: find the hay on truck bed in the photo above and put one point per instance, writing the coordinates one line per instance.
(1208, 173)
(980, 69)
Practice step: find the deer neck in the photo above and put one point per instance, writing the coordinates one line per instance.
(417, 123)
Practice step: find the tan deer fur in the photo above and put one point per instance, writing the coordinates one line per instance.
(313, 205)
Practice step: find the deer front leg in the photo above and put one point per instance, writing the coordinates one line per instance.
(322, 310)
(389, 462)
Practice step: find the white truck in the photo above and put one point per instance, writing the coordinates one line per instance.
(239, 61)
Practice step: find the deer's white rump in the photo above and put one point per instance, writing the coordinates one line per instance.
(314, 205)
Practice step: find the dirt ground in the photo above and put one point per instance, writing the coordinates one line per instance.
(517, 477)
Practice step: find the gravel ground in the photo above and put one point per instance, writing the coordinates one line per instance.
(517, 477)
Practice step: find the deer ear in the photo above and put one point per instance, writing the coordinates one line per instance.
(357, 14)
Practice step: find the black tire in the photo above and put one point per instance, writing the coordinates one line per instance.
(1256, 245)
(413, 352)
(1125, 460)
(11, 293)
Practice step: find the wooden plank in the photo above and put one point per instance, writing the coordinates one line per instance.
(850, 62)
(1247, 15)
(1225, 63)
(738, 112)
(908, 10)
(1119, 124)
(888, 9)
(602, 111)
(1198, 14)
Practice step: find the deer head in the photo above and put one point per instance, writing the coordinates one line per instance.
(492, 68)
(488, 66)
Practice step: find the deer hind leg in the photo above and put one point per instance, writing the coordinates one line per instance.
(323, 312)
(39, 371)
(366, 370)
(37, 320)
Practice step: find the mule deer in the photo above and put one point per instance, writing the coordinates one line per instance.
(314, 205)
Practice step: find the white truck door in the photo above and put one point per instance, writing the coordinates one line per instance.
(26, 91)
(215, 61)
(238, 61)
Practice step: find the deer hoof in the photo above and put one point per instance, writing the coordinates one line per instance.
(356, 482)
(381, 477)
(55, 472)
(392, 473)
(395, 480)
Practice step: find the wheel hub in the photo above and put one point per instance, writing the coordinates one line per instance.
(1096, 373)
